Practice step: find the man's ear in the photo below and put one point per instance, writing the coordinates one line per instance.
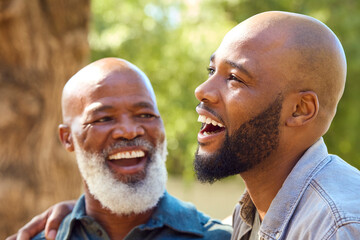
(305, 109)
(65, 137)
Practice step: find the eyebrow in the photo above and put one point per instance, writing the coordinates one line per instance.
(144, 105)
(233, 64)
(99, 109)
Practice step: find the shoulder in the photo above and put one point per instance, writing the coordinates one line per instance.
(183, 217)
(331, 202)
(350, 230)
(337, 185)
(214, 229)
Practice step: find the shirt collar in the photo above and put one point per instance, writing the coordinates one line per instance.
(247, 209)
(78, 213)
(171, 212)
(178, 215)
(283, 205)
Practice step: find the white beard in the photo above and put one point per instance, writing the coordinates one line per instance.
(122, 198)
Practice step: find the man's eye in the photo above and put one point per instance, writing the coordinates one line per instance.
(146, 115)
(103, 119)
(233, 77)
(211, 71)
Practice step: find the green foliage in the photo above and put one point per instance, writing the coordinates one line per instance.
(171, 41)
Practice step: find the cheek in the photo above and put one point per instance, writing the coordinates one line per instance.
(94, 138)
(237, 114)
(155, 132)
(241, 107)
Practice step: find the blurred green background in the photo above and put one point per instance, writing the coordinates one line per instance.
(171, 41)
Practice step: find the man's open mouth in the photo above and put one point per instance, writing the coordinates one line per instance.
(127, 158)
(210, 126)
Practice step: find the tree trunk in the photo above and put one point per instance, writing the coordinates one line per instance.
(42, 43)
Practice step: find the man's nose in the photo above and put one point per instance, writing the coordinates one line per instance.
(127, 129)
(207, 91)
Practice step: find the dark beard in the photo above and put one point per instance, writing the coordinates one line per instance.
(250, 144)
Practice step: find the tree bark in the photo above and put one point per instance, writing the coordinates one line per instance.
(42, 43)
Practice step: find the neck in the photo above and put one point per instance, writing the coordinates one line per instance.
(116, 226)
(265, 180)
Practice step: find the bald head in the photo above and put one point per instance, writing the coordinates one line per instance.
(303, 52)
(93, 78)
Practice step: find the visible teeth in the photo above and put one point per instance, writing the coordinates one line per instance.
(201, 118)
(204, 119)
(128, 154)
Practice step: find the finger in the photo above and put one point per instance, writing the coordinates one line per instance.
(32, 228)
(58, 213)
(12, 237)
(51, 235)
(24, 235)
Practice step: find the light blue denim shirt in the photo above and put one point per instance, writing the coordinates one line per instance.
(319, 200)
(172, 219)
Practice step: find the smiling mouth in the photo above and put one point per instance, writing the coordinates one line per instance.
(127, 158)
(210, 126)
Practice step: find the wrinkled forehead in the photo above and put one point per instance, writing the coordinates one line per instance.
(99, 82)
(122, 75)
(120, 82)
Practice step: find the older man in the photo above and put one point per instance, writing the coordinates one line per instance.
(111, 122)
(273, 88)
